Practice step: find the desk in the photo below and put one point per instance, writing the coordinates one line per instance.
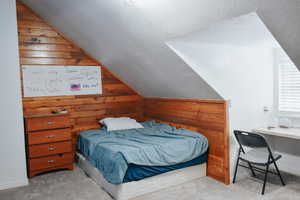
(293, 133)
(286, 143)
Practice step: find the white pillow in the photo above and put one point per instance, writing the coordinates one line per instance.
(121, 123)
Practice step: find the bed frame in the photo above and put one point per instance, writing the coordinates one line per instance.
(126, 191)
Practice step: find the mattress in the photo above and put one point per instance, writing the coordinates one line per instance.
(138, 172)
(142, 151)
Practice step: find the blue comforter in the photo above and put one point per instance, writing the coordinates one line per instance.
(154, 145)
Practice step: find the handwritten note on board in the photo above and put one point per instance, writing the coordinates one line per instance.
(61, 80)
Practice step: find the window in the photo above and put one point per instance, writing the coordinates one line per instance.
(288, 88)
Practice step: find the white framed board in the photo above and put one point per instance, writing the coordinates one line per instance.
(40, 80)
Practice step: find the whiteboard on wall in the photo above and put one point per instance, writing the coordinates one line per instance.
(61, 80)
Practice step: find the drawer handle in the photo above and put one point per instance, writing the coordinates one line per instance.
(51, 161)
(50, 136)
(51, 148)
(50, 123)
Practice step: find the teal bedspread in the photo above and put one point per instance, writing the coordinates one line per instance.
(154, 145)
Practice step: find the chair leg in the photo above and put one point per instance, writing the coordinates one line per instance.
(265, 179)
(278, 172)
(252, 171)
(236, 168)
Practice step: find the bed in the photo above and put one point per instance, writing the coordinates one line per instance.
(129, 163)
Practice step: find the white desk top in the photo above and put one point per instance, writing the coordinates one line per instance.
(293, 133)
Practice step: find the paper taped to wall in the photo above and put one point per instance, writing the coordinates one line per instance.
(61, 80)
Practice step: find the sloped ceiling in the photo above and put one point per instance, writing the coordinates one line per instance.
(129, 35)
(223, 52)
(242, 31)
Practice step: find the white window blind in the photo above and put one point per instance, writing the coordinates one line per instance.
(289, 86)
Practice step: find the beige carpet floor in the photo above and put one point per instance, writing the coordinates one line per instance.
(75, 185)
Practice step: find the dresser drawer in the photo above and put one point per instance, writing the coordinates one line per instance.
(49, 149)
(50, 161)
(47, 122)
(49, 136)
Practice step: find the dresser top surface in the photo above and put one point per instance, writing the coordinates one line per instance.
(46, 115)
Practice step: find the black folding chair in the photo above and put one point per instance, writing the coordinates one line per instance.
(259, 155)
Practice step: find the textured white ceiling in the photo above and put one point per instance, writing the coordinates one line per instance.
(129, 35)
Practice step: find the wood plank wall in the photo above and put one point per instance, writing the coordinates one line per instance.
(40, 44)
(208, 117)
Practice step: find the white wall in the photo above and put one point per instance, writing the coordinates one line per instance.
(239, 74)
(12, 150)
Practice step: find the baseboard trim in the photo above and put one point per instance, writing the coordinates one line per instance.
(13, 184)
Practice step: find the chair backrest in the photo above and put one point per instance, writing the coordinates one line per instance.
(251, 140)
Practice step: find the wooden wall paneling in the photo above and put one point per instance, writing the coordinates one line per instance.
(208, 117)
(41, 44)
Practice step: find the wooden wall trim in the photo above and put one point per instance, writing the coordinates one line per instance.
(209, 117)
(217, 101)
(226, 144)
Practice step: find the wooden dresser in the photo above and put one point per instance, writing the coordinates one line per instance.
(48, 143)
